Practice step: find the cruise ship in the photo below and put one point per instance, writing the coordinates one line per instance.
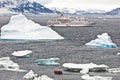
(63, 21)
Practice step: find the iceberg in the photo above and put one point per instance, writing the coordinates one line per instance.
(37, 78)
(19, 27)
(22, 54)
(103, 40)
(87, 77)
(48, 62)
(114, 70)
(85, 68)
(45, 77)
(7, 64)
(32, 76)
(118, 54)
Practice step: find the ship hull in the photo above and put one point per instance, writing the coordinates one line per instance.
(71, 25)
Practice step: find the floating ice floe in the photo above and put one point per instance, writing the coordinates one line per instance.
(103, 40)
(85, 68)
(37, 78)
(31, 76)
(22, 54)
(118, 54)
(87, 77)
(19, 27)
(7, 64)
(45, 77)
(48, 62)
(114, 70)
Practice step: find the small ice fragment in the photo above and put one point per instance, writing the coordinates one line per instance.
(23, 53)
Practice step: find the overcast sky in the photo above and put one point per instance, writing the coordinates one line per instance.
(82, 4)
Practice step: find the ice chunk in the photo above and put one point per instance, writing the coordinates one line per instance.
(7, 64)
(48, 62)
(45, 77)
(103, 40)
(114, 70)
(24, 53)
(87, 77)
(102, 78)
(84, 71)
(30, 75)
(37, 78)
(19, 27)
(118, 54)
(85, 68)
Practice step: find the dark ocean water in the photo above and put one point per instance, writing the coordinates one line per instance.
(71, 49)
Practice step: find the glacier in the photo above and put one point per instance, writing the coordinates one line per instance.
(103, 40)
(19, 27)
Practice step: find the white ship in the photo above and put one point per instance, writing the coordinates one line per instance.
(63, 21)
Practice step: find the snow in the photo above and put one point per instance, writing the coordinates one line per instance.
(21, 53)
(103, 40)
(65, 10)
(85, 67)
(6, 11)
(19, 27)
(41, 1)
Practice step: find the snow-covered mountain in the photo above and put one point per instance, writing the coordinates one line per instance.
(31, 7)
(64, 10)
(24, 6)
(78, 11)
(113, 12)
(6, 3)
(89, 12)
(10, 3)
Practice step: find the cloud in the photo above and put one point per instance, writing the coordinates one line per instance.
(41, 1)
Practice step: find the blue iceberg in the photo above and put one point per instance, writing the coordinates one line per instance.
(48, 62)
(103, 40)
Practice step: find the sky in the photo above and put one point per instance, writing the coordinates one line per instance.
(106, 5)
